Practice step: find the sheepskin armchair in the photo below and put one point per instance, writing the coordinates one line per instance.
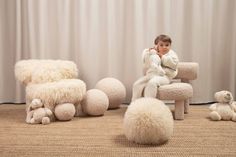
(53, 82)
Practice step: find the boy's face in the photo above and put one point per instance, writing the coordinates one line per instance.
(163, 47)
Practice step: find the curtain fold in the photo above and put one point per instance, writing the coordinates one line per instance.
(105, 38)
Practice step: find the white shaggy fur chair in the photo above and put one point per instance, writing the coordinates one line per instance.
(54, 82)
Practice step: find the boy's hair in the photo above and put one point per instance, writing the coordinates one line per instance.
(163, 38)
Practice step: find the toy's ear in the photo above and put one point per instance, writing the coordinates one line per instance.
(36, 103)
(229, 97)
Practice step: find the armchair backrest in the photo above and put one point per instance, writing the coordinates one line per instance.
(42, 71)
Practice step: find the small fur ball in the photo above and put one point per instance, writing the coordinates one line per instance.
(65, 111)
(95, 102)
(148, 121)
(114, 89)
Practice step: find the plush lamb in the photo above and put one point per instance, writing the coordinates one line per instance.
(225, 108)
(37, 113)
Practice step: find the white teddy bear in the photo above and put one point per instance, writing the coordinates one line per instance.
(225, 108)
(37, 113)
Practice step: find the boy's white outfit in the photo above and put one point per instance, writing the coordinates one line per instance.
(157, 71)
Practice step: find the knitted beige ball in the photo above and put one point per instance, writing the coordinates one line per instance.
(114, 89)
(95, 102)
(65, 111)
(148, 121)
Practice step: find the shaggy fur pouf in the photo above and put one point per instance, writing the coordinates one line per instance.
(95, 102)
(114, 89)
(148, 121)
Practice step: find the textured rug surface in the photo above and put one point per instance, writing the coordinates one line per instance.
(103, 136)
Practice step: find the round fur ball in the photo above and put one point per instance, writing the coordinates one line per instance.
(65, 111)
(95, 102)
(148, 121)
(114, 89)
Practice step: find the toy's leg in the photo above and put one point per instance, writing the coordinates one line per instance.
(234, 117)
(215, 116)
(138, 87)
(45, 120)
(153, 85)
(29, 116)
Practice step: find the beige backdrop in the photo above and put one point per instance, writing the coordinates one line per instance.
(106, 38)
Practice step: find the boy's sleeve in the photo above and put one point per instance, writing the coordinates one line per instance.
(170, 60)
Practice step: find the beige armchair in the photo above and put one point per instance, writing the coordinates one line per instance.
(181, 91)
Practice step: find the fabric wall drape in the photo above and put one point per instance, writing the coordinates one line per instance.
(106, 38)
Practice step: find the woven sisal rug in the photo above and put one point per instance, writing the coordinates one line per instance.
(103, 136)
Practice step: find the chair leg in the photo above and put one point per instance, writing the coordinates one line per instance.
(179, 109)
(186, 106)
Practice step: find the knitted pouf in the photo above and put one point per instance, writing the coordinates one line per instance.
(114, 89)
(95, 102)
(148, 121)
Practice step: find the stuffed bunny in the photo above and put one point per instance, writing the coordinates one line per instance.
(37, 113)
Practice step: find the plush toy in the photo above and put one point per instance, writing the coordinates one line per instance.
(225, 108)
(37, 113)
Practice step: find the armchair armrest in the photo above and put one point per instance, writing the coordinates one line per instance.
(187, 71)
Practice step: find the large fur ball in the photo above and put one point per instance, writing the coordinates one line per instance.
(65, 111)
(95, 102)
(114, 89)
(148, 121)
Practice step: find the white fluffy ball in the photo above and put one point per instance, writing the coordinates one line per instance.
(65, 111)
(95, 102)
(148, 121)
(114, 89)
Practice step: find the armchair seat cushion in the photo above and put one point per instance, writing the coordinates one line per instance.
(53, 93)
(175, 91)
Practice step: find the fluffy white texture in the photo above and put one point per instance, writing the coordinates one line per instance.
(148, 121)
(52, 93)
(187, 70)
(65, 111)
(41, 71)
(175, 91)
(95, 102)
(114, 89)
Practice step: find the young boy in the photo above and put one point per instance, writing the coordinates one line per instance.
(159, 67)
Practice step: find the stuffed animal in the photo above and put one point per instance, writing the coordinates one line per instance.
(225, 108)
(37, 113)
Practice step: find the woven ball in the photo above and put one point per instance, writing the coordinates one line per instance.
(148, 121)
(95, 102)
(65, 111)
(114, 89)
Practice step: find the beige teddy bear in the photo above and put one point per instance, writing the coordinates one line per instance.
(37, 113)
(225, 108)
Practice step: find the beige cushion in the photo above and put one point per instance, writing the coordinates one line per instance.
(175, 91)
(187, 70)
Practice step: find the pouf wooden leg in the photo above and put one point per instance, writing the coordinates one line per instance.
(186, 106)
(179, 109)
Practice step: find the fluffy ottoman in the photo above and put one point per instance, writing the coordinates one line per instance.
(148, 121)
(114, 89)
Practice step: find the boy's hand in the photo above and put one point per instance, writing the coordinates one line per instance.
(160, 54)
